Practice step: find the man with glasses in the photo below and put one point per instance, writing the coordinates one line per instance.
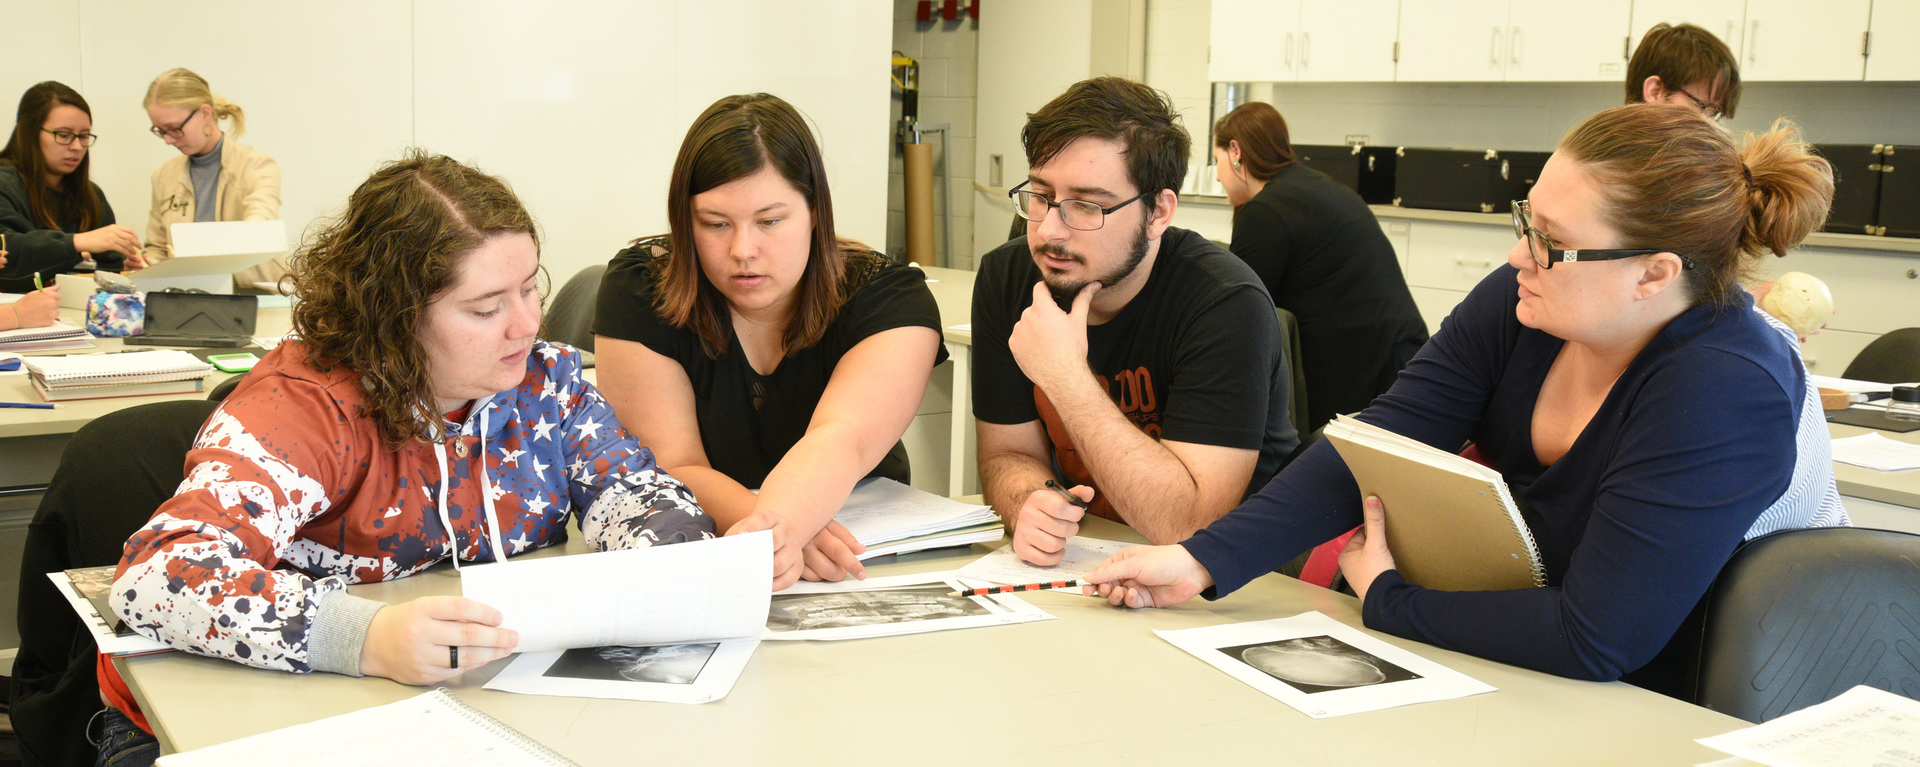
(1138, 362)
(1684, 64)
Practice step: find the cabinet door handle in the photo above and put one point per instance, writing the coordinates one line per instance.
(1464, 261)
(1493, 47)
(1753, 42)
(1513, 47)
(1306, 48)
(1289, 57)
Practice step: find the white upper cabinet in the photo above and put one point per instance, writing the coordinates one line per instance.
(1348, 41)
(1789, 40)
(1522, 40)
(1726, 19)
(1567, 42)
(1894, 54)
(1255, 41)
(1453, 41)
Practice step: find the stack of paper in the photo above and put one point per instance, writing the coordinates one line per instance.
(1864, 726)
(890, 518)
(1876, 452)
(59, 335)
(162, 371)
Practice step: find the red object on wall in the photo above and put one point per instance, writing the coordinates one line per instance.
(949, 10)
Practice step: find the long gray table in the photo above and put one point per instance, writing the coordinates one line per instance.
(1095, 686)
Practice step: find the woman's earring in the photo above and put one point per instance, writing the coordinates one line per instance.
(1236, 164)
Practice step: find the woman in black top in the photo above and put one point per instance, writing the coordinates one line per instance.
(751, 348)
(1323, 257)
(54, 217)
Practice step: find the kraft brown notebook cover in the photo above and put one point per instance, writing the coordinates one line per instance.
(1451, 523)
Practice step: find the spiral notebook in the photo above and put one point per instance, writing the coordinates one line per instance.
(427, 730)
(128, 374)
(1451, 522)
(57, 336)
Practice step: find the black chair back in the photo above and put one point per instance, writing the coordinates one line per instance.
(1799, 616)
(570, 316)
(1891, 358)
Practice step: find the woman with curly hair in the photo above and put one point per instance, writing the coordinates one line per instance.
(416, 419)
(752, 348)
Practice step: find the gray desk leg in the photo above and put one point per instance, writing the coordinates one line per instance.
(959, 454)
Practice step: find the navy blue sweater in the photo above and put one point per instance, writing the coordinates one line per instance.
(1695, 440)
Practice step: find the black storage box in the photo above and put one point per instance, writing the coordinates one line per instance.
(1479, 181)
(1367, 170)
(1856, 187)
(1899, 213)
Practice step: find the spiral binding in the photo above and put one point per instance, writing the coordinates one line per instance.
(1520, 528)
(500, 729)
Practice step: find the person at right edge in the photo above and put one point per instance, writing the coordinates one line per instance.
(1647, 418)
(1322, 255)
(1139, 360)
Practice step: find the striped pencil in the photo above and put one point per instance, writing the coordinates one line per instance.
(1022, 587)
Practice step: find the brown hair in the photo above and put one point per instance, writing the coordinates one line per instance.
(733, 139)
(23, 150)
(1681, 56)
(1673, 179)
(1265, 146)
(1115, 109)
(367, 276)
(180, 87)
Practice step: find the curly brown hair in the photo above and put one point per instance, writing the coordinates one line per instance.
(366, 277)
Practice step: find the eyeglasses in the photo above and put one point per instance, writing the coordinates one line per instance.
(175, 131)
(65, 137)
(1076, 214)
(1546, 252)
(1710, 110)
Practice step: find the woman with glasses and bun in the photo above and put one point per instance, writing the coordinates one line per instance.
(213, 179)
(53, 217)
(1647, 418)
(753, 348)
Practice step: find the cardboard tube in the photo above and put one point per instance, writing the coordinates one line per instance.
(919, 190)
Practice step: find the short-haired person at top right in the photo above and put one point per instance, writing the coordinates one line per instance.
(1646, 417)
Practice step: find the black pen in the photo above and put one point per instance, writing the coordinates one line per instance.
(1071, 498)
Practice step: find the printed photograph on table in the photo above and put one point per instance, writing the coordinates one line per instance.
(660, 664)
(807, 612)
(1318, 664)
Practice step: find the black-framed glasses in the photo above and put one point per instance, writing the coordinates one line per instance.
(1709, 109)
(65, 137)
(1076, 214)
(1546, 252)
(176, 131)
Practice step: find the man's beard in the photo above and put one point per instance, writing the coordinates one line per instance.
(1065, 291)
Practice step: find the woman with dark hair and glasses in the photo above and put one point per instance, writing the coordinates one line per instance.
(753, 348)
(1646, 416)
(55, 218)
(213, 178)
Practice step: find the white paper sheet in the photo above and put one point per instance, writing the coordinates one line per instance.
(1322, 667)
(890, 606)
(1004, 567)
(881, 510)
(1877, 452)
(1849, 385)
(681, 673)
(704, 590)
(1862, 726)
(99, 627)
(432, 729)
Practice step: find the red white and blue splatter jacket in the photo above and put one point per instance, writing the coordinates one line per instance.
(290, 495)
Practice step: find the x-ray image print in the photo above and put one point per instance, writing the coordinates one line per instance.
(1318, 664)
(803, 612)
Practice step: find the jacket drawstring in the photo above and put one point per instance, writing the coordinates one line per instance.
(486, 497)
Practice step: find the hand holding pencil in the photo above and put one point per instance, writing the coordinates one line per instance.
(1049, 517)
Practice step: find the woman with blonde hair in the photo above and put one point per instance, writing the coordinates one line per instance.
(1647, 418)
(213, 179)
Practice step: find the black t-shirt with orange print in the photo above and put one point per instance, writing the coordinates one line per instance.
(1195, 357)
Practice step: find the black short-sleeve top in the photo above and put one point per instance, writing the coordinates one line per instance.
(748, 421)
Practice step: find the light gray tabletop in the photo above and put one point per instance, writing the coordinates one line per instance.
(1094, 686)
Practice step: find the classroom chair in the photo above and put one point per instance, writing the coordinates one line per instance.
(113, 474)
(1892, 358)
(1800, 616)
(570, 316)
